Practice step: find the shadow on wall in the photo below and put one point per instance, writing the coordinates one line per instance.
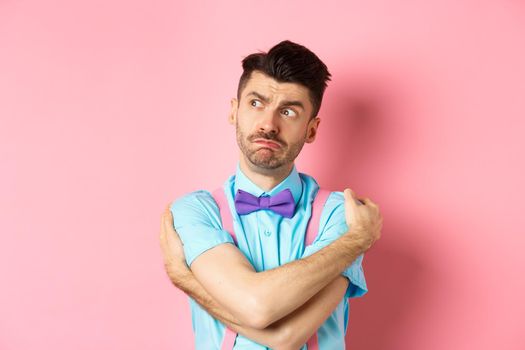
(361, 135)
(395, 281)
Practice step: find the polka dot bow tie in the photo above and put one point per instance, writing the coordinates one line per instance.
(281, 203)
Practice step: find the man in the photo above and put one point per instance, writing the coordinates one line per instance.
(268, 287)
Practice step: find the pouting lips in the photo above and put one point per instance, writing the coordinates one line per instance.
(267, 143)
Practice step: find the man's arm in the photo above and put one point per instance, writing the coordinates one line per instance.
(259, 299)
(290, 332)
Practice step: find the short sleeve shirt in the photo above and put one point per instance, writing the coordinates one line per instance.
(267, 240)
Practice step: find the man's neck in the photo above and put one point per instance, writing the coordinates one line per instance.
(266, 179)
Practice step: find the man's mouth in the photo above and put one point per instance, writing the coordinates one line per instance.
(267, 143)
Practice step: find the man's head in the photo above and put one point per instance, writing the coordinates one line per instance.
(291, 63)
(278, 99)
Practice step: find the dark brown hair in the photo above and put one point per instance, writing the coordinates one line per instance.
(292, 63)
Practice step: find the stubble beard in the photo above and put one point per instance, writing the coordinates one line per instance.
(264, 157)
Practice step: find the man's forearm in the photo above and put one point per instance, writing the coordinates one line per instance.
(288, 333)
(185, 281)
(261, 298)
(271, 336)
(289, 286)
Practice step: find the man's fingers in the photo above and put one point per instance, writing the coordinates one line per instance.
(166, 224)
(369, 202)
(348, 193)
(169, 230)
(351, 198)
(350, 205)
(167, 219)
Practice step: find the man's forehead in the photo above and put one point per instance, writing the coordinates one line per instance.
(268, 86)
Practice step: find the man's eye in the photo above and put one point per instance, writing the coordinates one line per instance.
(255, 103)
(289, 112)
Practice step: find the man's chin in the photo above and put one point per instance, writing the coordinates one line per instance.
(265, 162)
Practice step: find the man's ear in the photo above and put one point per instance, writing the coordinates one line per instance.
(312, 129)
(233, 110)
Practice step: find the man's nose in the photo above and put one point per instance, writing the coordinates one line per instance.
(269, 122)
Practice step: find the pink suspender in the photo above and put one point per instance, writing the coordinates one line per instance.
(224, 209)
(311, 232)
(227, 225)
(317, 210)
(312, 229)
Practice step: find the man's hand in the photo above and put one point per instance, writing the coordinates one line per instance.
(363, 218)
(171, 245)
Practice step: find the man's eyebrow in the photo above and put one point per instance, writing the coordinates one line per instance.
(259, 96)
(283, 103)
(293, 103)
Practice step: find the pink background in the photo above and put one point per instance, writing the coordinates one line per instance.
(111, 109)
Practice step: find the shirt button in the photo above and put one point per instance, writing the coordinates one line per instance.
(267, 233)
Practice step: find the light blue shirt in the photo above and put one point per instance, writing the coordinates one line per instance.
(268, 240)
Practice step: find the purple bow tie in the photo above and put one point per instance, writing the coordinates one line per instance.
(281, 203)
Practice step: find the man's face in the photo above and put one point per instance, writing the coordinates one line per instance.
(273, 121)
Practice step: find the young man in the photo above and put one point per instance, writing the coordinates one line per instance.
(267, 288)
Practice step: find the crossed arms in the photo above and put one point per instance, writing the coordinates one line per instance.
(282, 307)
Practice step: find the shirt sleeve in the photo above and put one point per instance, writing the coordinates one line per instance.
(197, 220)
(333, 225)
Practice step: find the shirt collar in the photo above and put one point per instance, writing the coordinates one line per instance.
(293, 182)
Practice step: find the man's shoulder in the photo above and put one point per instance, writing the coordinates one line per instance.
(194, 201)
(333, 213)
(335, 200)
(200, 202)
